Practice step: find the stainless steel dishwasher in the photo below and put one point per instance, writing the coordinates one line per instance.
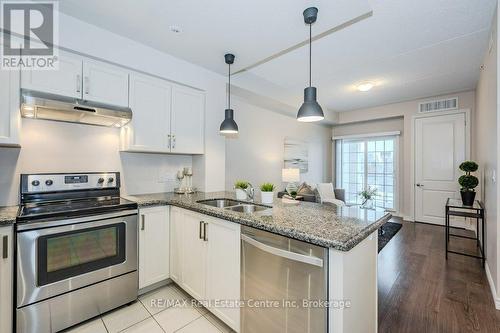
(278, 274)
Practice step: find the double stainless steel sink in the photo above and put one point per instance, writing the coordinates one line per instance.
(234, 205)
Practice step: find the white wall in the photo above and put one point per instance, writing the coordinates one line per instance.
(256, 154)
(407, 110)
(100, 151)
(49, 146)
(486, 152)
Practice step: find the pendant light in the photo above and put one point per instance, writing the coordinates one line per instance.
(229, 126)
(310, 110)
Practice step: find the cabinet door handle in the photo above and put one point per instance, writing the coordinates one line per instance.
(5, 247)
(78, 83)
(205, 237)
(87, 85)
(143, 224)
(173, 141)
(169, 140)
(201, 230)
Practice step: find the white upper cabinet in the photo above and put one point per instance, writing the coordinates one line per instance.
(166, 118)
(149, 129)
(188, 107)
(105, 83)
(154, 248)
(81, 78)
(9, 108)
(65, 81)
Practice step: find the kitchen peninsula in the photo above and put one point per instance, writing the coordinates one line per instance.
(348, 236)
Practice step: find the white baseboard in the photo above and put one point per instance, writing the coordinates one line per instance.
(408, 218)
(496, 299)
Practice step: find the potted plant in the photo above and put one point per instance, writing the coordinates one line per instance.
(240, 187)
(367, 197)
(267, 193)
(468, 182)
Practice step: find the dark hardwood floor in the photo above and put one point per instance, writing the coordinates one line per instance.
(419, 291)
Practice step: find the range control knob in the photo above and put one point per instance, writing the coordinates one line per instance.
(101, 180)
(49, 182)
(111, 179)
(35, 183)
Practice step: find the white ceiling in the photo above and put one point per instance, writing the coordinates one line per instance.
(410, 48)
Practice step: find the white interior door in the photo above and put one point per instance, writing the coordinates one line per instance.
(440, 147)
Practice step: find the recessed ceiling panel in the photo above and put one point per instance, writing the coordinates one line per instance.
(252, 30)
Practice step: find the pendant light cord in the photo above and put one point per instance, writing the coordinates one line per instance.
(229, 89)
(310, 54)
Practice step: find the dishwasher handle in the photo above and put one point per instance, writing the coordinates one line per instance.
(311, 260)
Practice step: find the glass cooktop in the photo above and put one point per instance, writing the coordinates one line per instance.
(79, 207)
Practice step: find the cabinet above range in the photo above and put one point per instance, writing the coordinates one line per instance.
(81, 78)
(166, 117)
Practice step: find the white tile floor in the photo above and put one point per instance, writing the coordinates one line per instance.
(165, 310)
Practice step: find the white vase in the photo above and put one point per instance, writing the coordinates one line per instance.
(241, 194)
(267, 197)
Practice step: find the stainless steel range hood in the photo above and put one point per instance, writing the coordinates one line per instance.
(39, 105)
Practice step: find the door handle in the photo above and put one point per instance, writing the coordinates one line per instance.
(173, 141)
(420, 185)
(143, 224)
(87, 85)
(201, 230)
(169, 141)
(205, 238)
(78, 83)
(5, 247)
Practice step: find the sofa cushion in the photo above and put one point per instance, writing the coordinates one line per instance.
(305, 189)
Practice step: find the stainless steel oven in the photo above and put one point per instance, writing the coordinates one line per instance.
(73, 267)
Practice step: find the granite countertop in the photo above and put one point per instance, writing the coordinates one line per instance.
(340, 228)
(8, 215)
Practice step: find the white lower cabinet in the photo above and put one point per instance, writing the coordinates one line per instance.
(223, 270)
(154, 247)
(6, 281)
(205, 261)
(194, 255)
(176, 221)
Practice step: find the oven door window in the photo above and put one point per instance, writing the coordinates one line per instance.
(68, 254)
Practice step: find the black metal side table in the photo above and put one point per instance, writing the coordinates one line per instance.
(455, 207)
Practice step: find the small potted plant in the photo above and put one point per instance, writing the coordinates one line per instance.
(468, 182)
(267, 193)
(240, 187)
(367, 197)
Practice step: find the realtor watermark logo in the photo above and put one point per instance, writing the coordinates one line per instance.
(30, 33)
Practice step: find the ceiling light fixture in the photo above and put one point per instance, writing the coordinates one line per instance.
(229, 126)
(310, 110)
(175, 29)
(365, 86)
